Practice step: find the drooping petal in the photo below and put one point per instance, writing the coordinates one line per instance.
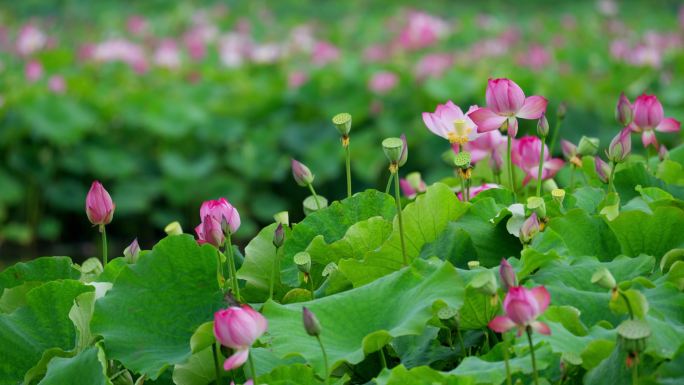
(501, 324)
(533, 107)
(542, 296)
(551, 167)
(648, 138)
(433, 124)
(669, 125)
(540, 327)
(486, 119)
(236, 360)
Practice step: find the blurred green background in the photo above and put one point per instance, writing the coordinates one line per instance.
(171, 103)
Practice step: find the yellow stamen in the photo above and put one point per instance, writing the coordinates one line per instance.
(460, 133)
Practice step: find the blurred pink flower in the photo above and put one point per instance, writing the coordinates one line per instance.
(433, 65)
(491, 142)
(233, 49)
(421, 30)
(296, 79)
(302, 38)
(536, 58)
(522, 307)
(376, 53)
(383, 82)
(525, 154)
(122, 50)
(167, 54)
(478, 189)
(136, 25)
(30, 39)
(412, 185)
(57, 84)
(449, 122)
(266, 53)
(195, 45)
(324, 53)
(33, 71)
(650, 117)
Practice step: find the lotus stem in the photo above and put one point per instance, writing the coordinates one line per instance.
(534, 361)
(325, 360)
(541, 166)
(629, 306)
(251, 368)
(103, 231)
(511, 179)
(509, 381)
(313, 192)
(397, 197)
(348, 165)
(217, 366)
(273, 274)
(611, 177)
(389, 183)
(233, 271)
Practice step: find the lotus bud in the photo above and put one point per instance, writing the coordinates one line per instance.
(472, 265)
(485, 282)
(569, 149)
(620, 146)
(558, 195)
(543, 126)
(212, 232)
(588, 146)
(173, 228)
(132, 251)
(303, 262)
(507, 274)
(393, 148)
(623, 111)
(282, 217)
(537, 205)
(603, 278)
(562, 111)
(278, 236)
(310, 206)
(662, 153)
(529, 228)
(343, 122)
(404, 151)
(302, 175)
(632, 335)
(311, 324)
(99, 205)
(603, 169)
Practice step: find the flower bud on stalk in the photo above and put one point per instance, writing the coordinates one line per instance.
(662, 153)
(620, 146)
(543, 126)
(278, 236)
(588, 146)
(132, 251)
(507, 274)
(623, 111)
(311, 324)
(562, 111)
(302, 175)
(99, 205)
(603, 169)
(529, 229)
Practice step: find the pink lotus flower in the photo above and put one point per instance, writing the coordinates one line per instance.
(649, 117)
(433, 65)
(421, 30)
(30, 39)
(449, 122)
(115, 50)
(490, 143)
(223, 212)
(522, 307)
(210, 231)
(296, 79)
(56, 84)
(99, 205)
(167, 54)
(506, 101)
(324, 53)
(238, 328)
(33, 71)
(478, 189)
(525, 154)
(136, 25)
(383, 82)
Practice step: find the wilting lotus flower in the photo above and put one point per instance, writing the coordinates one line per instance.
(383, 82)
(99, 205)
(603, 169)
(508, 278)
(522, 307)
(222, 212)
(505, 102)
(649, 116)
(478, 189)
(620, 146)
(238, 328)
(526, 154)
(210, 231)
(449, 122)
(490, 143)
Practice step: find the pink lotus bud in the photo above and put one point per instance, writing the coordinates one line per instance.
(504, 96)
(648, 112)
(543, 126)
(404, 151)
(620, 146)
(99, 205)
(522, 307)
(132, 251)
(508, 278)
(662, 152)
(383, 82)
(569, 149)
(238, 328)
(223, 212)
(562, 111)
(302, 175)
(623, 111)
(210, 231)
(529, 228)
(278, 236)
(603, 169)
(311, 324)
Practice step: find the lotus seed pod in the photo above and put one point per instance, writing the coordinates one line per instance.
(329, 269)
(282, 217)
(558, 195)
(393, 148)
(603, 278)
(343, 122)
(311, 324)
(588, 146)
(173, 228)
(472, 265)
(449, 317)
(462, 160)
(303, 261)
(537, 205)
(632, 335)
(485, 282)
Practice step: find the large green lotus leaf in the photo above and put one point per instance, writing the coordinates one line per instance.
(42, 269)
(256, 270)
(586, 234)
(296, 374)
(671, 373)
(636, 174)
(613, 368)
(490, 368)
(478, 235)
(42, 324)
(332, 224)
(641, 233)
(588, 198)
(421, 375)
(477, 310)
(87, 368)
(198, 369)
(570, 284)
(423, 349)
(424, 220)
(362, 320)
(155, 305)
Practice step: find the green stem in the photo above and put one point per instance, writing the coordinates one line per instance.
(325, 360)
(383, 361)
(611, 186)
(233, 271)
(534, 361)
(104, 245)
(313, 192)
(219, 270)
(635, 373)
(649, 154)
(348, 156)
(554, 138)
(389, 183)
(312, 287)
(463, 190)
(461, 342)
(509, 380)
(629, 306)
(217, 367)
(572, 178)
(401, 222)
(541, 166)
(273, 274)
(511, 180)
(251, 368)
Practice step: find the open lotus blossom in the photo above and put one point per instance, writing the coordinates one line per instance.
(99, 205)
(449, 122)
(238, 328)
(223, 212)
(490, 143)
(522, 307)
(506, 101)
(649, 117)
(478, 189)
(525, 155)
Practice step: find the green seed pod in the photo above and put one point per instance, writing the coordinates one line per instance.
(343, 122)
(449, 317)
(462, 160)
(603, 278)
(537, 205)
(632, 335)
(485, 282)
(173, 228)
(303, 261)
(588, 146)
(558, 195)
(393, 148)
